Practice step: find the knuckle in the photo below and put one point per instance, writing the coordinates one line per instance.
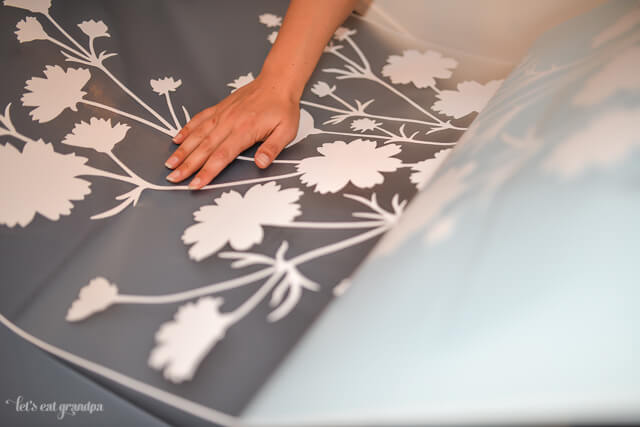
(186, 166)
(207, 172)
(222, 155)
(180, 153)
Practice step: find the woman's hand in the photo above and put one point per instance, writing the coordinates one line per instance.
(263, 110)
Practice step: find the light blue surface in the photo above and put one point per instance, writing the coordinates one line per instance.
(528, 308)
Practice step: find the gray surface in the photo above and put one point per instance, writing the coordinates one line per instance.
(206, 44)
(40, 378)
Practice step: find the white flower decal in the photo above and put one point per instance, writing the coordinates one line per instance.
(322, 89)
(272, 37)
(239, 219)
(585, 150)
(55, 92)
(343, 32)
(35, 6)
(421, 69)
(241, 81)
(97, 134)
(94, 29)
(183, 342)
(97, 296)
(270, 20)
(426, 208)
(47, 183)
(365, 124)
(358, 162)
(29, 29)
(467, 98)
(424, 170)
(165, 85)
(306, 127)
(620, 74)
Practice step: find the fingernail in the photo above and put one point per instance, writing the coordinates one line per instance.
(173, 176)
(179, 137)
(195, 183)
(171, 162)
(262, 160)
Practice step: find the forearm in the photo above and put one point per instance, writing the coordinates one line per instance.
(305, 31)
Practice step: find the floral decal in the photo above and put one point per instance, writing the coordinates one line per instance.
(322, 89)
(185, 341)
(342, 33)
(54, 93)
(165, 85)
(270, 20)
(272, 37)
(94, 29)
(421, 69)
(358, 162)
(469, 97)
(93, 298)
(239, 219)
(424, 170)
(98, 134)
(29, 29)
(306, 127)
(360, 155)
(35, 6)
(48, 182)
(241, 81)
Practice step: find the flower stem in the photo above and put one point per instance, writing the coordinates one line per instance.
(331, 225)
(249, 278)
(91, 171)
(226, 184)
(393, 138)
(78, 45)
(359, 52)
(359, 114)
(129, 172)
(195, 293)
(92, 48)
(171, 110)
(250, 159)
(405, 97)
(67, 47)
(338, 246)
(255, 299)
(347, 60)
(126, 90)
(342, 101)
(325, 107)
(169, 132)
(391, 134)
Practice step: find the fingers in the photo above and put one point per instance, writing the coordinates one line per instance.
(197, 137)
(224, 154)
(194, 152)
(282, 135)
(193, 124)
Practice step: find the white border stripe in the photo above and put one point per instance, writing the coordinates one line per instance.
(183, 404)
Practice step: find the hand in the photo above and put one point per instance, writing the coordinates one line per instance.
(263, 110)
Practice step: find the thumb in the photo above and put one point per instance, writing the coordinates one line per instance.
(274, 144)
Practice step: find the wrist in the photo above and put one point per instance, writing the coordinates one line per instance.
(282, 79)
